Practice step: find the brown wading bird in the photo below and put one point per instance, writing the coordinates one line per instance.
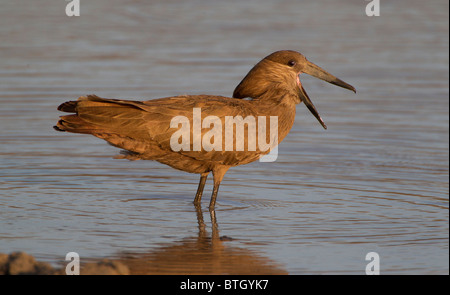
(142, 128)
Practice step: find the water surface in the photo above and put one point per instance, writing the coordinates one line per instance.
(376, 180)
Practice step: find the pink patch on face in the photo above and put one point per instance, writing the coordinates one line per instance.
(298, 81)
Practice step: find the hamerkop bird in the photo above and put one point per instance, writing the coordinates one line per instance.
(145, 129)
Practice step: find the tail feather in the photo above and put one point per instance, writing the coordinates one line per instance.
(71, 106)
(120, 123)
(73, 123)
(68, 107)
(108, 115)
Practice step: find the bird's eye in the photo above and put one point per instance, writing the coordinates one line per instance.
(291, 63)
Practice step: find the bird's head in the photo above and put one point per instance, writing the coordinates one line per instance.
(278, 74)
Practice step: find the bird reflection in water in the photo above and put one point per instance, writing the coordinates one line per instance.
(203, 254)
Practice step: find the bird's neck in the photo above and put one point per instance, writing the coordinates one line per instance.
(279, 96)
(284, 111)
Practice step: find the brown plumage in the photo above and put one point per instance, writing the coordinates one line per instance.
(142, 128)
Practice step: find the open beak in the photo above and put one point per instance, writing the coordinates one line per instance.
(315, 71)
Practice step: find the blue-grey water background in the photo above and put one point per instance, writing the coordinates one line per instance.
(376, 180)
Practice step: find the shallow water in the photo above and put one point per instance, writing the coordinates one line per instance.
(376, 180)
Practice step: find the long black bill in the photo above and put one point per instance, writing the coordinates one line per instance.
(318, 72)
(308, 103)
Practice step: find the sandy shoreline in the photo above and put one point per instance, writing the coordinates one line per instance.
(184, 259)
(21, 263)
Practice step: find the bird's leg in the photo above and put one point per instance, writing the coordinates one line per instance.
(201, 223)
(218, 174)
(215, 227)
(201, 186)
